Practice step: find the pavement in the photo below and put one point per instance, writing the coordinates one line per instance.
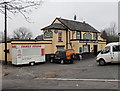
(83, 74)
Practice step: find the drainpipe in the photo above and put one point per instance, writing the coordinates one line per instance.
(66, 38)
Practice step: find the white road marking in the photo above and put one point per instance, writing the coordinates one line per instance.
(95, 80)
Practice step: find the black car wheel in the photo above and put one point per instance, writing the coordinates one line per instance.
(71, 61)
(73, 56)
(62, 61)
(51, 60)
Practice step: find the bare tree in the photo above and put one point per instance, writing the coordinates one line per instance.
(104, 34)
(16, 6)
(2, 37)
(22, 33)
(110, 33)
(19, 6)
(112, 30)
(39, 37)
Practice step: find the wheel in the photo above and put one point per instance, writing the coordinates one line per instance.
(51, 60)
(72, 62)
(101, 62)
(62, 61)
(73, 56)
(32, 63)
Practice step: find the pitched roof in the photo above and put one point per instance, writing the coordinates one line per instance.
(72, 25)
(78, 26)
(55, 26)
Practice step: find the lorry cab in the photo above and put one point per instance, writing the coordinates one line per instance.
(110, 54)
(63, 56)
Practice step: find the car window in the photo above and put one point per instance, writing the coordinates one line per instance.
(57, 53)
(116, 48)
(106, 50)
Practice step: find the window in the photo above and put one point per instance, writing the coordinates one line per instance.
(80, 49)
(59, 36)
(116, 48)
(60, 48)
(106, 50)
(57, 53)
(95, 36)
(86, 48)
(78, 35)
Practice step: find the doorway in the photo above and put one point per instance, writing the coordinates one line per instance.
(95, 50)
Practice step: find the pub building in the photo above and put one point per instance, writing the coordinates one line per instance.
(72, 34)
(63, 34)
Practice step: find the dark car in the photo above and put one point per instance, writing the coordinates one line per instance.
(64, 56)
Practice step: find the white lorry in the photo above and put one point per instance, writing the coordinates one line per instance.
(28, 54)
(110, 54)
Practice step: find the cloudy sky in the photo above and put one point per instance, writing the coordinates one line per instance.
(99, 14)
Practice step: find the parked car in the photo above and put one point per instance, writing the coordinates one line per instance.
(64, 56)
(110, 54)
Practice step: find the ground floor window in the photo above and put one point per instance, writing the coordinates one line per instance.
(86, 48)
(60, 48)
(80, 49)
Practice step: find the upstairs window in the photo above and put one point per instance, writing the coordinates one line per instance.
(78, 35)
(59, 36)
(95, 36)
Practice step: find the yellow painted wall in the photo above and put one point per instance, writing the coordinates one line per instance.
(2, 54)
(1, 51)
(75, 44)
(57, 21)
(55, 40)
(48, 47)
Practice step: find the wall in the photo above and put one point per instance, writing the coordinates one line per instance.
(2, 54)
(48, 47)
(1, 51)
(75, 44)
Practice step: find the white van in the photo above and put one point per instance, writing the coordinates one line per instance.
(110, 54)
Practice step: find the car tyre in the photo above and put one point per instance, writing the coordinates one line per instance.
(73, 56)
(71, 61)
(102, 62)
(51, 60)
(62, 61)
(32, 63)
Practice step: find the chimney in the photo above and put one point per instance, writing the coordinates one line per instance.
(84, 22)
(74, 17)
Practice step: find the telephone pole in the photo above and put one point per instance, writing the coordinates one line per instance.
(5, 32)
